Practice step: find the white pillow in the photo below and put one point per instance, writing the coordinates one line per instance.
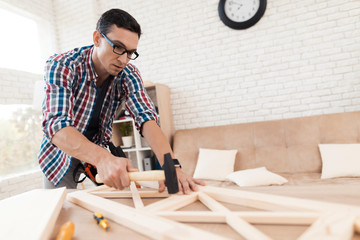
(256, 177)
(214, 164)
(340, 160)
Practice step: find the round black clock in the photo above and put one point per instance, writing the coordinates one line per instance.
(241, 14)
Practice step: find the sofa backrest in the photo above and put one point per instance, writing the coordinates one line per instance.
(283, 146)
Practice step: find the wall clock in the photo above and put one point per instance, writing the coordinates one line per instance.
(241, 14)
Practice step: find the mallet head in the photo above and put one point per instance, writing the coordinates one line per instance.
(171, 180)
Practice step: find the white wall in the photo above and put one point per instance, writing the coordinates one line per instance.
(301, 59)
(16, 87)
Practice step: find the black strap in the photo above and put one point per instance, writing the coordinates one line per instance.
(116, 151)
(80, 165)
(93, 126)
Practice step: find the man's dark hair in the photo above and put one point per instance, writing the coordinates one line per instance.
(120, 18)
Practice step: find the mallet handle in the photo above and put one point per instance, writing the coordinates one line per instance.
(155, 175)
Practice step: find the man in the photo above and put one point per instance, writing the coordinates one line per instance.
(84, 87)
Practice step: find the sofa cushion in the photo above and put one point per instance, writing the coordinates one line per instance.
(214, 164)
(340, 160)
(256, 177)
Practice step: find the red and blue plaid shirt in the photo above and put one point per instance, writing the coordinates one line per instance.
(70, 99)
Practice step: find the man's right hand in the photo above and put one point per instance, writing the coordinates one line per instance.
(114, 171)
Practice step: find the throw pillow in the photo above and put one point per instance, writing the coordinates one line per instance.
(340, 160)
(256, 177)
(214, 164)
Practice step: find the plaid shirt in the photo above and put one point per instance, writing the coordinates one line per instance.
(70, 99)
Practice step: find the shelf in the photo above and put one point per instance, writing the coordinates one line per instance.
(123, 120)
(136, 149)
(160, 96)
(144, 149)
(129, 149)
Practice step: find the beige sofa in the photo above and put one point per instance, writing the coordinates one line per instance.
(287, 147)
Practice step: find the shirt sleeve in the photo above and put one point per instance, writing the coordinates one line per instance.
(58, 104)
(137, 102)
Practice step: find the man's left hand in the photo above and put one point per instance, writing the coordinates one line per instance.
(186, 183)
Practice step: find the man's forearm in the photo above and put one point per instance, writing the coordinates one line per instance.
(73, 143)
(156, 140)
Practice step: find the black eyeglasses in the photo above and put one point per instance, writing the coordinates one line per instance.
(120, 50)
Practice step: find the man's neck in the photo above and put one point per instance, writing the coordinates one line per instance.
(102, 73)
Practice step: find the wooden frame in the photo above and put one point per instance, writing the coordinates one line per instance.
(159, 220)
(31, 215)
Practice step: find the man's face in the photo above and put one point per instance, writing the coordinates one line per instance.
(122, 39)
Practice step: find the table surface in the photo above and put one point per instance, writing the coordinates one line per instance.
(86, 228)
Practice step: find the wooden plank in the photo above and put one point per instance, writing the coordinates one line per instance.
(128, 194)
(284, 218)
(99, 189)
(138, 220)
(194, 216)
(333, 225)
(136, 196)
(273, 202)
(173, 202)
(212, 204)
(31, 215)
(238, 224)
(244, 228)
(149, 184)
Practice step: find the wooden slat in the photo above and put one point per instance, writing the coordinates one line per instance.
(136, 196)
(212, 204)
(99, 189)
(244, 228)
(31, 215)
(138, 220)
(128, 194)
(273, 202)
(149, 184)
(284, 218)
(173, 202)
(238, 224)
(333, 225)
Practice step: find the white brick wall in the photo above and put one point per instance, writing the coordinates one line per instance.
(17, 87)
(301, 59)
(19, 183)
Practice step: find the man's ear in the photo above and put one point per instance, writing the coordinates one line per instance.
(96, 38)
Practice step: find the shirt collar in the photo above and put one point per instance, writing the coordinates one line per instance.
(92, 73)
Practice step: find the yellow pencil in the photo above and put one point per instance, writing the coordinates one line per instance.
(66, 231)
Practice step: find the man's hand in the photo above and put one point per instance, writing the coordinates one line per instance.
(186, 183)
(114, 171)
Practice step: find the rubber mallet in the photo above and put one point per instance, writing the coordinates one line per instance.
(168, 174)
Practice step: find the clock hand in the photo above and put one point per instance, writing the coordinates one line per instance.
(240, 5)
(233, 2)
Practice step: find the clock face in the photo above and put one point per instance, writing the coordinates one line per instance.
(241, 10)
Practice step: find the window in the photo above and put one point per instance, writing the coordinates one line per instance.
(21, 39)
(25, 44)
(20, 137)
